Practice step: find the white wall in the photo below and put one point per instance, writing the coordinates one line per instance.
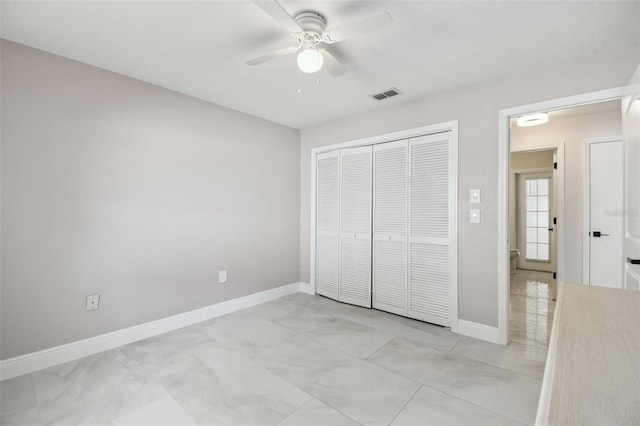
(114, 186)
(476, 108)
(572, 131)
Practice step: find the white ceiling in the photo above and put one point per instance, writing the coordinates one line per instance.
(199, 48)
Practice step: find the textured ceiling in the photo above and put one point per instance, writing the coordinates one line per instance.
(199, 48)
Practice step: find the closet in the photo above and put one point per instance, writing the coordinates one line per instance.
(383, 226)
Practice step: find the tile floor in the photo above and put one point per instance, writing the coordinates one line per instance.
(301, 360)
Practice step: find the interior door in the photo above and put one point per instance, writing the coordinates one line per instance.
(606, 192)
(355, 226)
(534, 221)
(327, 223)
(631, 134)
(390, 197)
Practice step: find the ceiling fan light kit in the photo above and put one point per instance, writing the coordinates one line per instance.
(310, 60)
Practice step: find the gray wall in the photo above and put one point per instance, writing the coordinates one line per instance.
(476, 108)
(118, 187)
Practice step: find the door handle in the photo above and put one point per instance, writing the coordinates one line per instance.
(633, 261)
(598, 234)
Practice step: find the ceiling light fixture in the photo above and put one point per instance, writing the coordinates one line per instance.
(533, 119)
(310, 59)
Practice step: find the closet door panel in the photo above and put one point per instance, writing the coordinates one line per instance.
(355, 226)
(390, 175)
(328, 224)
(429, 294)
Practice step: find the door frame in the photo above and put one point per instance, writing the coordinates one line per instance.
(448, 126)
(586, 203)
(504, 122)
(559, 197)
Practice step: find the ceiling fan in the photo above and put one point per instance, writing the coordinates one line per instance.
(309, 29)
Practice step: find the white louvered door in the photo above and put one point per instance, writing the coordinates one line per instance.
(429, 229)
(355, 226)
(390, 178)
(328, 223)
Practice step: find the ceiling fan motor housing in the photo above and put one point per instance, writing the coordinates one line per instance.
(312, 23)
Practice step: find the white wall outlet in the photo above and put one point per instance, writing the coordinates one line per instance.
(474, 216)
(93, 302)
(222, 276)
(474, 196)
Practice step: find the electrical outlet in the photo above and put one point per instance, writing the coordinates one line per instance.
(222, 276)
(93, 302)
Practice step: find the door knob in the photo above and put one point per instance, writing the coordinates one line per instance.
(598, 234)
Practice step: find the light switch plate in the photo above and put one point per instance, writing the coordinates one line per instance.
(474, 216)
(474, 196)
(222, 276)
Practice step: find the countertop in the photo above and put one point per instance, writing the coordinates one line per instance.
(592, 374)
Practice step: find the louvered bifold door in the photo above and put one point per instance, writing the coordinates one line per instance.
(355, 226)
(328, 223)
(429, 276)
(390, 178)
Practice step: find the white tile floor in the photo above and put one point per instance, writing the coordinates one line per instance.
(301, 360)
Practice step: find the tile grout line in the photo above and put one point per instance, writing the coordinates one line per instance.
(405, 405)
(35, 396)
(456, 344)
(472, 403)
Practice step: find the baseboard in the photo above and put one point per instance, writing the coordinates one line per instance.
(478, 331)
(307, 288)
(28, 363)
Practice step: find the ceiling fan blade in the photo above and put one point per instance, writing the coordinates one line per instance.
(273, 55)
(331, 64)
(368, 25)
(279, 14)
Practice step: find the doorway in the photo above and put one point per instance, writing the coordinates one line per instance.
(565, 268)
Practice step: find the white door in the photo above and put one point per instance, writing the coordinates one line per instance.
(631, 134)
(327, 223)
(390, 226)
(430, 276)
(534, 221)
(606, 192)
(355, 226)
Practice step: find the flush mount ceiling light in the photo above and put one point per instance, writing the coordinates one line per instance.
(533, 119)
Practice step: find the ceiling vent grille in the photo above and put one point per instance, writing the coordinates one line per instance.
(386, 94)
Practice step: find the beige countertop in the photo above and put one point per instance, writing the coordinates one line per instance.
(592, 375)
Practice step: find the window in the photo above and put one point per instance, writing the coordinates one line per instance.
(537, 192)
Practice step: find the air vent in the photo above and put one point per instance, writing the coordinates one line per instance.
(386, 94)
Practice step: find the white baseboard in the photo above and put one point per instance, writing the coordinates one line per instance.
(478, 331)
(28, 363)
(307, 288)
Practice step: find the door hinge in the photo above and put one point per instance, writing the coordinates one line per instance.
(555, 165)
(554, 275)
